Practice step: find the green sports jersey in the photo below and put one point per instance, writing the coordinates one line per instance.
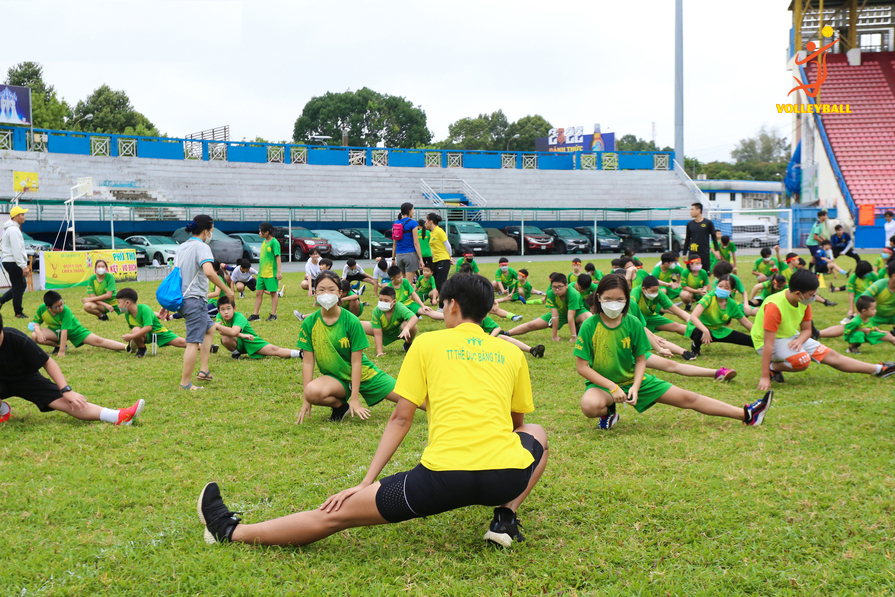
(857, 285)
(674, 273)
(715, 318)
(728, 251)
(472, 264)
(639, 277)
(572, 278)
(332, 345)
(856, 323)
(507, 278)
(145, 317)
(634, 310)
(97, 288)
(489, 325)
(572, 300)
(404, 292)
(239, 320)
(880, 264)
(768, 268)
(424, 236)
(360, 303)
(611, 352)
(767, 289)
(596, 275)
(64, 320)
(698, 280)
(424, 286)
(885, 298)
(650, 306)
(392, 320)
(587, 291)
(524, 290)
(267, 263)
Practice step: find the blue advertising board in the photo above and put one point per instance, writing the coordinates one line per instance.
(572, 139)
(15, 105)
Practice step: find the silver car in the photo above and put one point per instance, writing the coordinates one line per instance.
(342, 246)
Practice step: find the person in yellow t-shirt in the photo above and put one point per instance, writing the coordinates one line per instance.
(480, 451)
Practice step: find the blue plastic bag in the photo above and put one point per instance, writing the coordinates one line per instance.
(170, 292)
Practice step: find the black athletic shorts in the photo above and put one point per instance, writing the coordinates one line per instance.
(35, 388)
(356, 277)
(421, 492)
(251, 284)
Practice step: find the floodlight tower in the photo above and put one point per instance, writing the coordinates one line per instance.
(679, 82)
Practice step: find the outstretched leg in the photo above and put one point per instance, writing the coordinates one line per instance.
(681, 398)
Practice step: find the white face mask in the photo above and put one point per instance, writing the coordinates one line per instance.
(768, 259)
(612, 309)
(650, 295)
(807, 301)
(207, 240)
(385, 306)
(327, 301)
(100, 271)
(504, 268)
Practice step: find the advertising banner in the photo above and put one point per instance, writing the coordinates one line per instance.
(24, 182)
(571, 139)
(67, 269)
(15, 105)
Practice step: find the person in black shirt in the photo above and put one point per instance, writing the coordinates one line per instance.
(700, 232)
(21, 359)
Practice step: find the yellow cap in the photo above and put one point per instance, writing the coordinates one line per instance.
(16, 211)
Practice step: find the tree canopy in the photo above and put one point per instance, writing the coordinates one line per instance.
(371, 118)
(113, 114)
(635, 143)
(47, 110)
(765, 147)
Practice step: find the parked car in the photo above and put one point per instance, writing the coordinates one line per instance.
(303, 241)
(640, 238)
(466, 237)
(158, 248)
(251, 244)
(223, 248)
(98, 243)
(342, 246)
(535, 239)
(677, 241)
(498, 242)
(755, 233)
(567, 240)
(382, 246)
(606, 240)
(34, 247)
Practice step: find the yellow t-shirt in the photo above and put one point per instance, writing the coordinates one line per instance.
(436, 243)
(473, 383)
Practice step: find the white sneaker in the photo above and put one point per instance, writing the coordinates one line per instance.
(845, 320)
(298, 315)
(282, 291)
(516, 318)
(242, 294)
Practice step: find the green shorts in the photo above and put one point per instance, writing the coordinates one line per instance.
(651, 389)
(390, 337)
(75, 335)
(671, 293)
(654, 321)
(414, 307)
(879, 320)
(163, 338)
(868, 337)
(562, 320)
(374, 390)
(251, 348)
(267, 284)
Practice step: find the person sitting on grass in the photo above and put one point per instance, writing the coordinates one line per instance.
(425, 285)
(576, 270)
(505, 276)
(727, 249)
(711, 318)
(405, 294)
(145, 326)
(391, 321)
(100, 299)
(783, 327)
(669, 272)
(566, 307)
(312, 270)
(880, 263)
(591, 270)
(725, 268)
(770, 287)
(522, 290)
(585, 285)
(857, 283)
(640, 274)
(334, 340)
(242, 276)
(765, 266)
(480, 450)
(465, 268)
(355, 274)
(20, 363)
(861, 329)
(695, 284)
(492, 329)
(611, 354)
(63, 327)
(653, 303)
(468, 259)
(350, 299)
(883, 292)
(239, 338)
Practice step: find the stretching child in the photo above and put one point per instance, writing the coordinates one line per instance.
(653, 303)
(712, 316)
(522, 290)
(492, 329)
(391, 321)
(63, 327)
(239, 338)
(591, 270)
(425, 284)
(505, 276)
(144, 325)
(566, 307)
(405, 293)
(857, 283)
(669, 272)
(695, 284)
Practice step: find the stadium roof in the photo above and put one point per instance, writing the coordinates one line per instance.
(838, 3)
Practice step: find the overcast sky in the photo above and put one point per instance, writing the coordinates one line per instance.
(190, 65)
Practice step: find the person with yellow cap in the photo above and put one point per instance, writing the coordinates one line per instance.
(15, 261)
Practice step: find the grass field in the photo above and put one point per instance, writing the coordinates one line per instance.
(667, 503)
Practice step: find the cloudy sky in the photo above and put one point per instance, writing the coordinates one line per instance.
(195, 64)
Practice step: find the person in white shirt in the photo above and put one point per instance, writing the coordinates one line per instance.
(15, 260)
(242, 276)
(355, 273)
(889, 226)
(312, 270)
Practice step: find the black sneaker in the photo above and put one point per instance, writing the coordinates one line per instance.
(853, 348)
(538, 351)
(56, 350)
(815, 333)
(271, 318)
(776, 376)
(753, 414)
(504, 528)
(22, 316)
(103, 317)
(141, 353)
(215, 348)
(830, 304)
(219, 521)
(130, 347)
(235, 354)
(406, 346)
(888, 369)
(689, 355)
(688, 307)
(254, 317)
(339, 413)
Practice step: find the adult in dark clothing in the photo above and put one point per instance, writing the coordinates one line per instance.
(843, 245)
(21, 359)
(15, 259)
(700, 232)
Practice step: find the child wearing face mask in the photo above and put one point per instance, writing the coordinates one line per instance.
(711, 318)
(653, 303)
(391, 321)
(100, 299)
(334, 340)
(765, 266)
(566, 307)
(879, 264)
(591, 270)
(611, 355)
(505, 276)
(695, 284)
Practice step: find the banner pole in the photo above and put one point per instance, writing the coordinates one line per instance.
(596, 245)
(522, 234)
(112, 224)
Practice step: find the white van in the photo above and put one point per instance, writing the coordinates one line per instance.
(764, 232)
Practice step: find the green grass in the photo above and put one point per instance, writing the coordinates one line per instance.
(669, 502)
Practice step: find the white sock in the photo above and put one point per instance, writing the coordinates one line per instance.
(108, 415)
(878, 369)
(296, 354)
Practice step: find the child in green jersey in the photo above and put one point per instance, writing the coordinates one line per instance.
(857, 283)
(334, 340)
(766, 265)
(879, 264)
(145, 325)
(763, 290)
(611, 354)
(861, 329)
(64, 327)
(522, 290)
(727, 249)
(566, 307)
(239, 338)
(351, 299)
(585, 285)
(468, 259)
(669, 272)
(591, 270)
(712, 316)
(576, 270)
(425, 284)
(695, 282)
(505, 276)
(407, 295)
(270, 272)
(653, 304)
(495, 308)
(391, 321)
(100, 299)
(883, 292)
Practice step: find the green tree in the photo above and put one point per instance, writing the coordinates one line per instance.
(113, 114)
(635, 143)
(48, 111)
(371, 118)
(485, 132)
(528, 128)
(765, 147)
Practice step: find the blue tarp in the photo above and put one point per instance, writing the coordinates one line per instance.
(793, 179)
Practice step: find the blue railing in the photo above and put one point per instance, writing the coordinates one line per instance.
(105, 145)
